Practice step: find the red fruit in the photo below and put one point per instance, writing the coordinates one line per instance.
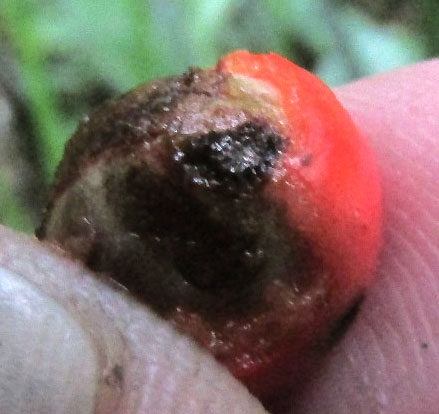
(330, 185)
(241, 203)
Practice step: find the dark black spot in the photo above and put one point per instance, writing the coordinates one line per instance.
(306, 160)
(191, 76)
(424, 345)
(115, 377)
(342, 325)
(236, 160)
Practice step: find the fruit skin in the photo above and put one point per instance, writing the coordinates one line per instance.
(324, 181)
(331, 184)
(332, 168)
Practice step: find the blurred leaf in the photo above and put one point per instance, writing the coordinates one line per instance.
(250, 25)
(368, 48)
(21, 23)
(305, 20)
(11, 213)
(204, 22)
(430, 25)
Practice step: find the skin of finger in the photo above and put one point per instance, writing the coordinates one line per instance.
(389, 361)
(28, 318)
(136, 362)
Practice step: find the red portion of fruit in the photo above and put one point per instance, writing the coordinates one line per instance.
(330, 186)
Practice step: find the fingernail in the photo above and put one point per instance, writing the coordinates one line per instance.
(47, 362)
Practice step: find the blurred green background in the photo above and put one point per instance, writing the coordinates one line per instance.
(61, 58)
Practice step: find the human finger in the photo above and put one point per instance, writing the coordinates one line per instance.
(70, 343)
(389, 361)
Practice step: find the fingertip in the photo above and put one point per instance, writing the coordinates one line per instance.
(389, 361)
(47, 361)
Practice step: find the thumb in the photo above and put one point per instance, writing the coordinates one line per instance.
(71, 344)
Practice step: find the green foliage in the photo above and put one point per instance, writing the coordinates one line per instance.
(72, 51)
(12, 214)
